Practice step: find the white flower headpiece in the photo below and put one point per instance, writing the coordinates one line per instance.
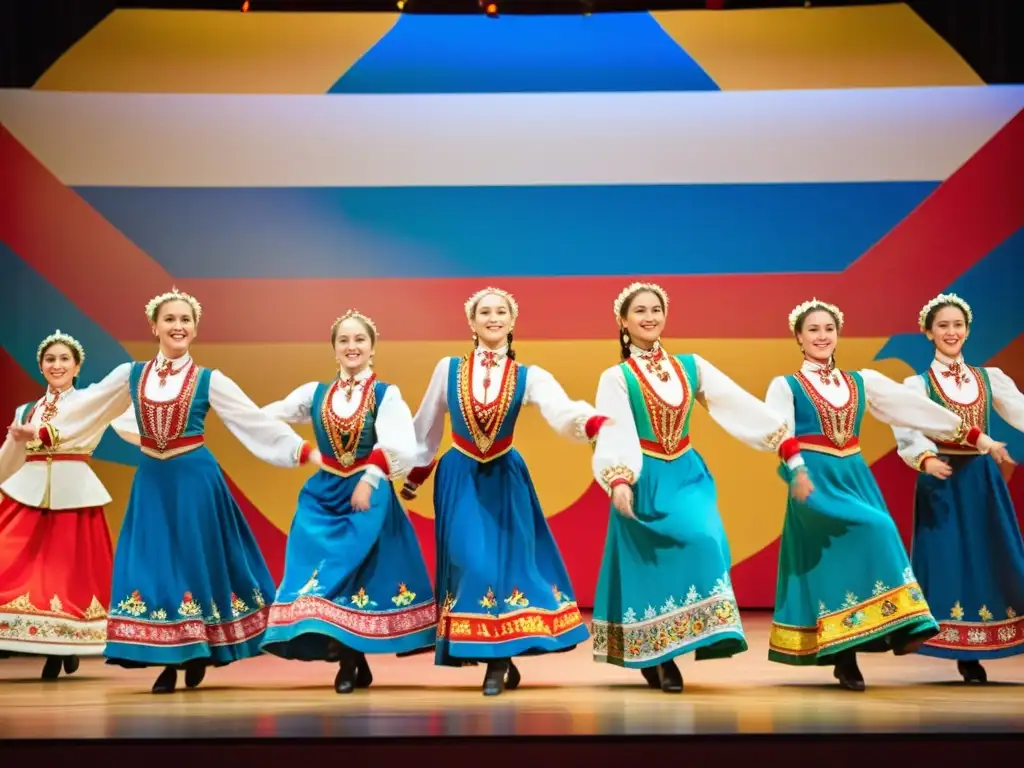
(173, 295)
(635, 288)
(800, 309)
(945, 299)
(473, 300)
(355, 313)
(57, 337)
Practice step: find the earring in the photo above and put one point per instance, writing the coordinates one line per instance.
(625, 337)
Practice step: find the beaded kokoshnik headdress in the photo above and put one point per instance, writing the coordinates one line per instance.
(355, 314)
(944, 299)
(634, 288)
(57, 337)
(473, 300)
(173, 295)
(800, 309)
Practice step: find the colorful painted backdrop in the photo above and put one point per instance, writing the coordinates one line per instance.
(284, 168)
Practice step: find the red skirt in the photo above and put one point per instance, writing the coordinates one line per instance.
(55, 570)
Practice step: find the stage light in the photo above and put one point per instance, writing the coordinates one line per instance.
(245, 6)
(401, 5)
(492, 10)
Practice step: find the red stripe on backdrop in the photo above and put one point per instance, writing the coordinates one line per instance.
(968, 216)
(16, 386)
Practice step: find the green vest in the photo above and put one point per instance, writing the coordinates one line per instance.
(672, 438)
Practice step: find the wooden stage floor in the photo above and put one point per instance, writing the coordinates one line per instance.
(567, 694)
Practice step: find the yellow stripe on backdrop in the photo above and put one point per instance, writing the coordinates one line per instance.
(883, 46)
(158, 51)
(752, 498)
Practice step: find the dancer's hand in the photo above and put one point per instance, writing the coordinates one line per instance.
(622, 500)
(408, 491)
(936, 468)
(361, 496)
(21, 433)
(315, 457)
(801, 486)
(1000, 454)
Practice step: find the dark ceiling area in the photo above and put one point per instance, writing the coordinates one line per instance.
(35, 33)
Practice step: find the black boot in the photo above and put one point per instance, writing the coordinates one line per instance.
(71, 665)
(52, 667)
(364, 676)
(167, 681)
(848, 673)
(670, 679)
(651, 676)
(195, 671)
(513, 679)
(972, 672)
(494, 678)
(348, 671)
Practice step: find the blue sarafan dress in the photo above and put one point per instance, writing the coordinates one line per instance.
(189, 581)
(845, 581)
(501, 584)
(967, 549)
(354, 577)
(664, 588)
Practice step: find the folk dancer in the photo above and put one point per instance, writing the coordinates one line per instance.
(845, 583)
(966, 550)
(664, 588)
(502, 586)
(190, 585)
(355, 582)
(55, 550)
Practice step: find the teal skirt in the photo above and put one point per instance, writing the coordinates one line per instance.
(664, 588)
(845, 580)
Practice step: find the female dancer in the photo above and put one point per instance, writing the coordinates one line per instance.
(845, 583)
(504, 589)
(354, 581)
(185, 552)
(664, 587)
(967, 549)
(55, 551)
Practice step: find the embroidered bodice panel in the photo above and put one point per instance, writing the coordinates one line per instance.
(173, 408)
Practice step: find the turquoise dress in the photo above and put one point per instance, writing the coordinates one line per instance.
(664, 588)
(189, 581)
(845, 581)
(967, 548)
(502, 586)
(352, 577)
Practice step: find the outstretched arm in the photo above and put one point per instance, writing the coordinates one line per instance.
(912, 445)
(296, 407)
(617, 456)
(1007, 398)
(396, 447)
(12, 452)
(428, 425)
(574, 419)
(264, 436)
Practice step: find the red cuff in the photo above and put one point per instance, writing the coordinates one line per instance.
(790, 447)
(304, 453)
(45, 436)
(380, 461)
(419, 475)
(972, 436)
(593, 426)
(618, 481)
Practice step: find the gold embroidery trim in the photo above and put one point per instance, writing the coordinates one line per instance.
(484, 421)
(337, 427)
(971, 414)
(838, 423)
(616, 472)
(667, 421)
(921, 458)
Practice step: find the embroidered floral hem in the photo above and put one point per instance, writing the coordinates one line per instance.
(303, 628)
(901, 612)
(484, 635)
(49, 634)
(710, 627)
(971, 640)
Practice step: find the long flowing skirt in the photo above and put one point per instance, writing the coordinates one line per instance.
(664, 588)
(189, 580)
(54, 580)
(968, 554)
(845, 580)
(351, 577)
(503, 587)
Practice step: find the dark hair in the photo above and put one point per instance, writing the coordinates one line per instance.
(366, 326)
(624, 341)
(74, 352)
(511, 354)
(929, 319)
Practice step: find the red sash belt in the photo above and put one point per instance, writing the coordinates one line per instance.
(821, 444)
(955, 449)
(171, 448)
(656, 449)
(334, 466)
(471, 449)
